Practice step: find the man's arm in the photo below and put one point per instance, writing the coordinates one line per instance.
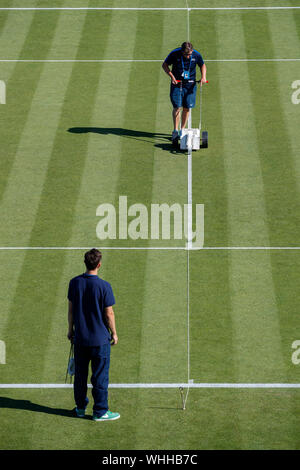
(111, 323)
(70, 322)
(166, 68)
(203, 74)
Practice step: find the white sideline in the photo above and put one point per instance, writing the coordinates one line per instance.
(162, 385)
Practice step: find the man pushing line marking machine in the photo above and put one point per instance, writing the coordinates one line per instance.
(192, 139)
(183, 94)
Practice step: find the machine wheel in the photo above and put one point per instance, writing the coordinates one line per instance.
(204, 140)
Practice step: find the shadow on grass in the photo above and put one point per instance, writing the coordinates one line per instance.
(120, 131)
(130, 134)
(170, 148)
(28, 405)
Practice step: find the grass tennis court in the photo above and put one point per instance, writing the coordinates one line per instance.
(87, 119)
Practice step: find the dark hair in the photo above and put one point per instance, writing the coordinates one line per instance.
(92, 258)
(186, 47)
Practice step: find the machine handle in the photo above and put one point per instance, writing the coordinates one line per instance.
(197, 81)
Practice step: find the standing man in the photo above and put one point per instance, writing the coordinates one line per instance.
(92, 328)
(184, 60)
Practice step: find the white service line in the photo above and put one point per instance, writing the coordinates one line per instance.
(170, 248)
(149, 8)
(160, 385)
(91, 61)
(252, 60)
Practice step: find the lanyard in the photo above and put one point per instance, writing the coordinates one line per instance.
(183, 69)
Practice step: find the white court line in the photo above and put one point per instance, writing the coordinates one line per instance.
(162, 385)
(170, 248)
(137, 60)
(149, 8)
(190, 219)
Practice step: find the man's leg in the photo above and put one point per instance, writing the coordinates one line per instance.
(185, 116)
(176, 100)
(176, 121)
(176, 118)
(82, 359)
(189, 102)
(100, 378)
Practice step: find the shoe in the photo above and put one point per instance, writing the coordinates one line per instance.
(80, 413)
(108, 416)
(175, 138)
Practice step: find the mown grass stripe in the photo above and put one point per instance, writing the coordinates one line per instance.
(99, 177)
(20, 325)
(20, 200)
(136, 158)
(288, 143)
(21, 88)
(278, 141)
(212, 351)
(210, 189)
(296, 17)
(275, 152)
(55, 190)
(274, 132)
(166, 169)
(136, 181)
(61, 184)
(3, 17)
(257, 339)
(253, 309)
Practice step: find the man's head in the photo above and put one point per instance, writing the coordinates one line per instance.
(92, 259)
(186, 49)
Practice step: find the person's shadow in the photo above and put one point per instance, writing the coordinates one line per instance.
(149, 137)
(6, 402)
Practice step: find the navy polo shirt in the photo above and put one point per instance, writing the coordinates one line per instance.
(90, 295)
(176, 59)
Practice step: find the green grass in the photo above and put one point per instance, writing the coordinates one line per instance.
(77, 135)
(223, 419)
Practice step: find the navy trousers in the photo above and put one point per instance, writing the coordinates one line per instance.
(99, 357)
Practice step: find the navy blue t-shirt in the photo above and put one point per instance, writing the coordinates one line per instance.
(89, 296)
(176, 59)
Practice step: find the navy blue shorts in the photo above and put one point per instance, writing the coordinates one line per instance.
(185, 98)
